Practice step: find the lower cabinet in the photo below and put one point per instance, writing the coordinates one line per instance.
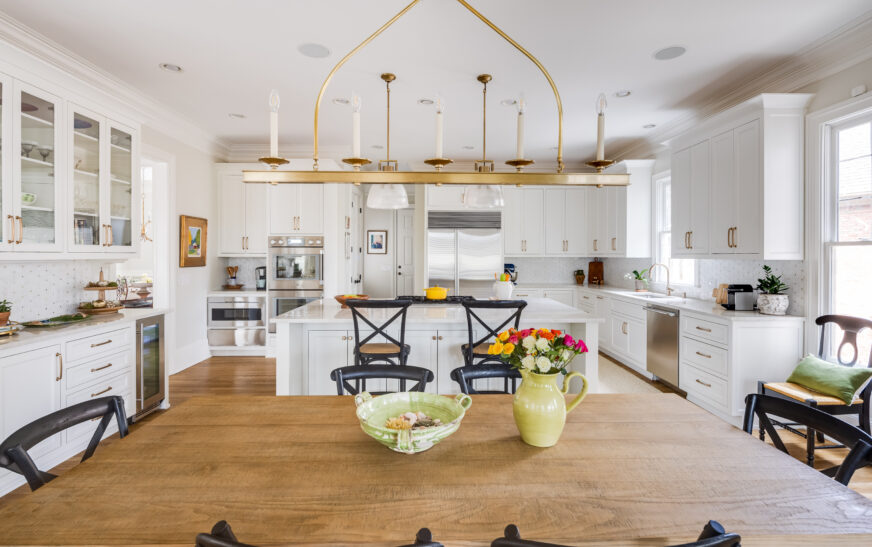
(628, 339)
(564, 296)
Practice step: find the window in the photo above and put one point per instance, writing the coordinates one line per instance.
(848, 247)
(682, 270)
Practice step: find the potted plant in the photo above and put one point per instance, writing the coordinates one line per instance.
(639, 278)
(772, 300)
(579, 277)
(540, 355)
(5, 310)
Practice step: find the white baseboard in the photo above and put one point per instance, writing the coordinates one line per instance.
(190, 355)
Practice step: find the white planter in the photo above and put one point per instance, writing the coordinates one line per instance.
(503, 289)
(773, 304)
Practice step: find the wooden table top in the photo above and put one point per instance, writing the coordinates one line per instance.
(300, 470)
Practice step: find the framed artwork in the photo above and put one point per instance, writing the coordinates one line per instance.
(377, 242)
(192, 244)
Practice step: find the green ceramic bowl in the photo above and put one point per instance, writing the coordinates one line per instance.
(373, 412)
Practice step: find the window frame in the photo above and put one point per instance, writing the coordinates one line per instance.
(657, 181)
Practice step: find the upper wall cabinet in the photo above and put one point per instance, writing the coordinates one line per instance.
(296, 209)
(524, 221)
(242, 227)
(737, 182)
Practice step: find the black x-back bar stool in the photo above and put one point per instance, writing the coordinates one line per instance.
(475, 351)
(369, 350)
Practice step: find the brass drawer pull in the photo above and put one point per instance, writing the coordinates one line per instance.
(703, 329)
(624, 327)
(101, 344)
(60, 367)
(698, 381)
(104, 367)
(102, 392)
(600, 298)
(586, 297)
(704, 355)
(614, 244)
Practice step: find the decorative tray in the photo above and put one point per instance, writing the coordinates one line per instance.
(11, 328)
(232, 287)
(101, 311)
(58, 321)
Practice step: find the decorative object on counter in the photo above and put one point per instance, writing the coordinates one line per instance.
(540, 355)
(5, 310)
(231, 284)
(740, 298)
(579, 277)
(503, 288)
(58, 321)
(100, 307)
(101, 286)
(9, 329)
(192, 241)
(512, 271)
(772, 299)
(436, 293)
(374, 413)
(720, 294)
(595, 272)
(341, 298)
(377, 242)
(260, 278)
(639, 279)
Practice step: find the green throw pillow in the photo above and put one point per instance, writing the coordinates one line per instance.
(841, 382)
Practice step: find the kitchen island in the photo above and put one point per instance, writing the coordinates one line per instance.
(316, 338)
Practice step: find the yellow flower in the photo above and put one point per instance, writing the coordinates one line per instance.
(508, 348)
(504, 336)
(495, 349)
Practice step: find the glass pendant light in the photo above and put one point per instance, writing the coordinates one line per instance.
(387, 196)
(480, 196)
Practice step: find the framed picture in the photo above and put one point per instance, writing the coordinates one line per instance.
(192, 241)
(377, 242)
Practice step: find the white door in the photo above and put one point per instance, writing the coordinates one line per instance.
(513, 213)
(680, 205)
(283, 209)
(723, 193)
(405, 254)
(699, 198)
(748, 231)
(356, 240)
(533, 215)
(450, 357)
(575, 214)
(232, 230)
(555, 221)
(328, 349)
(255, 219)
(310, 211)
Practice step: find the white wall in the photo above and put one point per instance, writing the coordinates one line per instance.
(837, 88)
(378, 270)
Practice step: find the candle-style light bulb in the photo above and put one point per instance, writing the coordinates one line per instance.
(355, 125)
(440, 109)
(274, 103)
(600, 127)
(522, 108)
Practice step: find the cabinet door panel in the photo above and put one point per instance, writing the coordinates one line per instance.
(282, 208)
(124, 190)
(423, 354)
(88, 231)
(512, 220)
(637, 341)
(597, 229)
(533, 216)
(619, 331)
(449, 357)
(576, 221)
(255, 218)
(564, 296)
(328, 350)
(616, 213)
(555, 221)
(748, 232)
(232, 214)
(680, 202)
(723, 193)
(699, 198)
(310, 209)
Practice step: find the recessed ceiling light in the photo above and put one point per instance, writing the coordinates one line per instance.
(649, 126)
(341, 100)
(670, 52)
(468, 147)
(236, 116)
(622, 93)
(508, 102)
(169, 67)
(425, 101)
(316, 51)
(377, 146)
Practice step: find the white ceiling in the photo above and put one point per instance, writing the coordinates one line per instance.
(234, 52)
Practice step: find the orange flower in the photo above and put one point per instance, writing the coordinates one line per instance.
(548, 336)
(556, 332)
(508, 348)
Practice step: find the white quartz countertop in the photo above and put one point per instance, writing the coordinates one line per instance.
(547, 285)
(544, 311)
(242, 292)
(43, 335)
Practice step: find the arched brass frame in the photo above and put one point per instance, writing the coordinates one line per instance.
(486, 21)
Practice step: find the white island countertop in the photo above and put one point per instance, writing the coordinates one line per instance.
(541, 311)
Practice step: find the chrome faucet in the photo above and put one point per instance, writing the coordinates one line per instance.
(651, 269)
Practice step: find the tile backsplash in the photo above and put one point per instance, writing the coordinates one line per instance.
(39, 290)
(547, 270)
(245, 275)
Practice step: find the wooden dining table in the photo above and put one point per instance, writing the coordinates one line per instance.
(630, 469)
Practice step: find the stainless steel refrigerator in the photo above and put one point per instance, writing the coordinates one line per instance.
(464, 251)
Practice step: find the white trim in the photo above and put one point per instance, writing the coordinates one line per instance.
(190, 355)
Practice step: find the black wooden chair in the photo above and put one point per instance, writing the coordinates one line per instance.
(475, 351)
(392, 352)
(465, 376)
(359, 375)
(424, 538)
(13, 451)
(713, 535)
(222, 536)
(858, 441)
(850, 326)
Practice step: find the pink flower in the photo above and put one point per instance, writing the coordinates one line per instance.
(568, 341)
(525, 333)
(581, 347)
(513, 340)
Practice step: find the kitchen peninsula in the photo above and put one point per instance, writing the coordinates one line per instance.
(316, 338)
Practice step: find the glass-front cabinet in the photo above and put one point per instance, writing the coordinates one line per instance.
(122, 198)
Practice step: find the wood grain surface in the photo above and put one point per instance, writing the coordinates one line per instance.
(285, 470)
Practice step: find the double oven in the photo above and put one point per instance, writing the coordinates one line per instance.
(295, 274)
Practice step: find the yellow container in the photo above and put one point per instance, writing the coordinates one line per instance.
(540, 408)
(436, 293)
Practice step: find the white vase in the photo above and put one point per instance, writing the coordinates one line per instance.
(503, 289)
(772, 304)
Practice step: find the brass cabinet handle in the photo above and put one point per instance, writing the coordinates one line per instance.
(586, 297)
(20, 230)
(109, 241)
(704, 355)
(687, 240)
(440, 338)
(101, 368)
(735, 231)
(345, 338)
(703, 329)
(614, 245)
(690, 239)
(624, 327)
(698, 381)
(60, 367)
(600, 297)
(101, 344)
(11, 228)
(102, 392)
(347, 222)
(729, 235)
(434, 338)
(595, 245)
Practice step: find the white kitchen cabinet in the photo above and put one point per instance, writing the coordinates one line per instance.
(690, 200)
(296, 209)
(597, 218)
(565, 221)
(528, 293)
(627, 332)
(524, 221)
(330, 350)
(564, 296)
(242, 226)
(445, 198)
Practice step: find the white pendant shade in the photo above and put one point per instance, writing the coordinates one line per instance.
(387, 196)
(483, 197)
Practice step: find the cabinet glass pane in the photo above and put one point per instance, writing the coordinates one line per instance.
(121, 188)
(86, 180)
(150, 360)
(37, 169)
(4, 223)
(855, 183)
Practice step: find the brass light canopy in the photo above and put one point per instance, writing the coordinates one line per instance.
(388, 173)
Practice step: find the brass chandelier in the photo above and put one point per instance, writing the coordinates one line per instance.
(388, 173)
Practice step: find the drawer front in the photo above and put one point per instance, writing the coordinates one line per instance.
(114, 385)
(528, 293)
(705, 356)
(586, 307)
(99, 344)
(636, 311)
(698, 383)
(92, 371)
(713, 332)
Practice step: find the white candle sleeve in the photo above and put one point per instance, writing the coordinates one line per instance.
(600, 137)
(355, 134)
(274, 134)
(520, 135)
(438, 134)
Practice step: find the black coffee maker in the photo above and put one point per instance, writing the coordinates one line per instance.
(260, 278)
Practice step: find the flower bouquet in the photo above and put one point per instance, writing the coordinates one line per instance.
(543, 351)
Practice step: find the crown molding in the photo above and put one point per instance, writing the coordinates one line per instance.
(841, 49)
(149, 111)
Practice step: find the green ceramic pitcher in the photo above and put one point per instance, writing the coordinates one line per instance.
(540, 408)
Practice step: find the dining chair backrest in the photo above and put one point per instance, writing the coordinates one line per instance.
(713, 535)
(474, 320)
(220, 536)
(424, 538)
(850, 326)
(14, 450)
(855, 439)
(344, 376)
(356, 306)
(465, 376)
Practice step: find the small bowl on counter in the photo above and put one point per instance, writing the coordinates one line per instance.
(343, 298)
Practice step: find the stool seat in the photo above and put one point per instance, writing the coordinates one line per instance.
(378, 348)
(800, 393)
(480, 349)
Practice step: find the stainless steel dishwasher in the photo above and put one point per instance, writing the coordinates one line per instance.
(663, 343)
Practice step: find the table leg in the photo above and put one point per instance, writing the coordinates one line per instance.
(290, 379)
